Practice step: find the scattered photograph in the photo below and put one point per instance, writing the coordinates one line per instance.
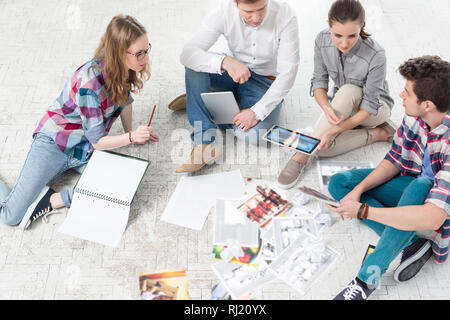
(164, 285)
(219, 292)
(303, 262)
(232, 226)
(288, 229)
(327, 169)
(249, 255)
(369, 250)
(319, 196)
(268, 254)
(264, 205)
(241, 279)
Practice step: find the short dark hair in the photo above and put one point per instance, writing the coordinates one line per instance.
(431, 79)
(343, 11)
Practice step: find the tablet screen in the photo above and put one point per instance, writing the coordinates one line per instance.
(293, 139)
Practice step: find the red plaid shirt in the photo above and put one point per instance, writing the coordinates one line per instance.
(407, 154)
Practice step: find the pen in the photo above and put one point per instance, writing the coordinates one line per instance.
(151, 117)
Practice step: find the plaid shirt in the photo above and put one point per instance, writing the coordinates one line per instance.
(407, 153)
(82, 114)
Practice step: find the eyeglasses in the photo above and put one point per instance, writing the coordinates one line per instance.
(141, 54)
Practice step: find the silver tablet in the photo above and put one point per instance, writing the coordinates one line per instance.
(221, 105)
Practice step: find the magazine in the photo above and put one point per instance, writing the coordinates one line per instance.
(327, 169)
(164, 285)
(319, 196)
(264, 205)
(248, 255)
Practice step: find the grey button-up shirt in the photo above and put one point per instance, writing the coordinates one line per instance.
(364, 65)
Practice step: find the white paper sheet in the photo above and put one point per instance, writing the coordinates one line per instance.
(99, 221)
(233, 228)
(90, 217)
(112, 175)
(194, 197)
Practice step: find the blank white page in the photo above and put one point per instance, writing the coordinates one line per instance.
(194, 197)
(96, 220)
(112, 175)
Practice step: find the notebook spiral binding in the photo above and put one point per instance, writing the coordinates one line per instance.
(102, 196)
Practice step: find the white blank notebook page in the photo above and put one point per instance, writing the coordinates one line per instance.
(96, 220)
(112, 175)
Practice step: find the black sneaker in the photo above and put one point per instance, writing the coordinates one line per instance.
(413, 259)
(41, 207)
(356, 290)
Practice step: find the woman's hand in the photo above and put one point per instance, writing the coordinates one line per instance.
(331, 115)
(324, 140)
(142, 135)
(153, 137)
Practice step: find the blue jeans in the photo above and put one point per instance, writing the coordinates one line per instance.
(44, 162)
(247, 95)
(397, 192)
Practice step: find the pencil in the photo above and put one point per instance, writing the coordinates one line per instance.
(151, 117)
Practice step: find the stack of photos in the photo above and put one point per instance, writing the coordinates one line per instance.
(288, 229)
(249, 256)
(288, 246)
(264, 205)
(268, 254)
(240, 279)
(164, 285)
(303, 262)
(219, 292)
(232, 227)
(327, 169)
(314, 221)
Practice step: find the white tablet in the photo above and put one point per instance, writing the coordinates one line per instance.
(221, 105)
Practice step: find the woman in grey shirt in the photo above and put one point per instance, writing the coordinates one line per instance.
(361, 106)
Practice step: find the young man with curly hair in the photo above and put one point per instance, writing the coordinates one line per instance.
(409, 190)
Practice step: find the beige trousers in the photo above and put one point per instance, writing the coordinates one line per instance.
(346, 102)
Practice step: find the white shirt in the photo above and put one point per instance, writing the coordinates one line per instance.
(271, 49)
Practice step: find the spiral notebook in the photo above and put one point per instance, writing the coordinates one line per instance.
(102, 197)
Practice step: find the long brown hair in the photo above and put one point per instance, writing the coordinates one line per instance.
(343, 11)
(122, 31)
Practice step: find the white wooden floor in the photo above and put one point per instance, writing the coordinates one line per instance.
(41, 45)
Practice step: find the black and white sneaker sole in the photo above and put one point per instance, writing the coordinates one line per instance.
(411, 266)
(24, 223)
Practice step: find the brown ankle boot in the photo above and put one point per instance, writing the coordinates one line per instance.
(179, 103)
(201, 155)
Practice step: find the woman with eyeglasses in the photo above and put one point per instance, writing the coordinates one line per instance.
(79, 120)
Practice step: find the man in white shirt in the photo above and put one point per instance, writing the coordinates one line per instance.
(260, 69)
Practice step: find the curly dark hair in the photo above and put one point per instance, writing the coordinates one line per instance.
(431, 79)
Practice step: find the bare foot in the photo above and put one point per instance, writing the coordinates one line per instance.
(379, 135)
(56, 201)
(300, 157)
